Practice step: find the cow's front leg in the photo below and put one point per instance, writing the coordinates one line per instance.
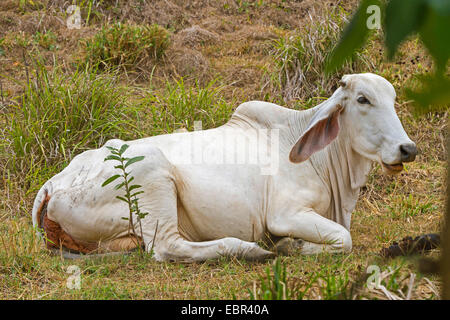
(180, 250)
(312, 233)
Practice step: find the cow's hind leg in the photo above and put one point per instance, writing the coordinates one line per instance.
(169, 245)
(59, 242)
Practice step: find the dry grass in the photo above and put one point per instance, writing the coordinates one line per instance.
(239, 45)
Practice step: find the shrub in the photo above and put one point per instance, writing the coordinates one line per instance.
(127, 45)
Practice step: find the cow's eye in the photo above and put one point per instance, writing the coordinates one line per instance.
(363, 100)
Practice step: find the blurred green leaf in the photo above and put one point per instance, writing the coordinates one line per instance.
(353, 37)
(113, 150)
(435, 92)
(136, 193)
(435, 31)
(402, 18)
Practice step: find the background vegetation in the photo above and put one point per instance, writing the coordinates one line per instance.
(139, 68)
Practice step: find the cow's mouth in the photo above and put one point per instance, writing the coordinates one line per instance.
(397, 167)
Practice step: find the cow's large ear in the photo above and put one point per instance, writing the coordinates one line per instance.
(321, 131)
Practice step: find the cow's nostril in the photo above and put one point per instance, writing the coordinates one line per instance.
(404, 152)
(408, 152)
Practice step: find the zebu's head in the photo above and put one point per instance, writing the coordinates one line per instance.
(364, 107)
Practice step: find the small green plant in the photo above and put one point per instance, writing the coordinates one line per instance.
(275, 285)
(21, 39)
(131, 190)
(393, 282)
(127, 45)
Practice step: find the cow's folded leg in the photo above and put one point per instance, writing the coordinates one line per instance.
(312, 232)
(180, 250)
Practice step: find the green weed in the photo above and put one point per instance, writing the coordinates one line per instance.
(131, 190)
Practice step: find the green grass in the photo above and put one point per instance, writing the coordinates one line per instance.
(2, 48)
(335, 285)
(127, 45)
(178, 106)
(60, 115)
(25, 5)
(404, 206)
(276, 285)
(300, 56)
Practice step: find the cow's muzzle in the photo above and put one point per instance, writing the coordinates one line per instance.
(408, 152)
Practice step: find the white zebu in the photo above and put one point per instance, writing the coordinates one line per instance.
(203, 210)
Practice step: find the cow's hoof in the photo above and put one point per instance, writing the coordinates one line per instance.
(258, 254)
(263, 257)
(288, 246)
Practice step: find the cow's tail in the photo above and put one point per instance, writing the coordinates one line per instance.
(40, 207)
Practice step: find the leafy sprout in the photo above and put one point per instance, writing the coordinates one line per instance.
(131, 190)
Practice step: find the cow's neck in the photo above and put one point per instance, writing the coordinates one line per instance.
(342, 170)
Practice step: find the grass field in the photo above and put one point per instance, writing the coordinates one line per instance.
(139, 68)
